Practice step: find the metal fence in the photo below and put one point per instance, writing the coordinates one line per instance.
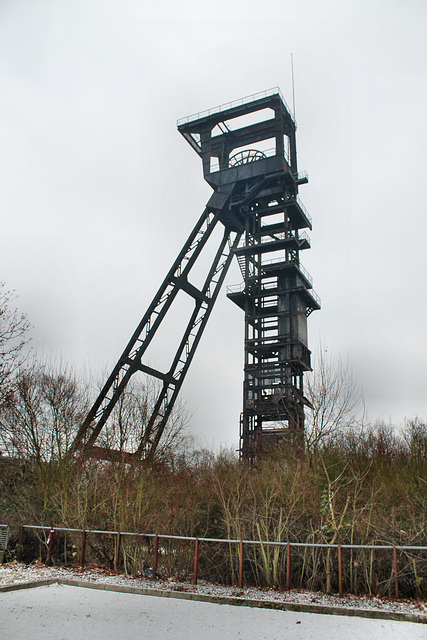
(239, 551)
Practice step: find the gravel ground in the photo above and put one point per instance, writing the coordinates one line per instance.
(16, 573)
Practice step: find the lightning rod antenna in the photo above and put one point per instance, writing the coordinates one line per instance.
(293, 84)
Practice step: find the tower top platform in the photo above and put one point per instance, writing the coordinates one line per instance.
(218, 112)
(247, 131)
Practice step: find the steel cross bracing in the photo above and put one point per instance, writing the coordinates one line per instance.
(131, 359)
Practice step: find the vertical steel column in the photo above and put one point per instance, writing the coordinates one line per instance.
(396, 577)
(196, 561)
(117, 551)
(340, 571)
(288, 567)
(156, 554)
(83, 548)
(241, 564)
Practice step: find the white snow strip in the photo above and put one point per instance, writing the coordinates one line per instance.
(57, 612)
(16, 574)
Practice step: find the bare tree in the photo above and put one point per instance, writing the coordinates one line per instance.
(14, 328)
(336, 400)
(127, 424)
(48, 407)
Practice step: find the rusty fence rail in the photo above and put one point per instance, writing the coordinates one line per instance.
(287, 546)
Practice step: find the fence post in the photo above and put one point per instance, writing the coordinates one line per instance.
(196, 561)
(21, 542)
(241, 564)
(83, 549)
(396, 579)
(117, 552)
(371, 572)
(288, 567)
(340, 570)
(50, 542)
(156, 554)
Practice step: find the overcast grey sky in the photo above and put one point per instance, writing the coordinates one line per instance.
(98, 191)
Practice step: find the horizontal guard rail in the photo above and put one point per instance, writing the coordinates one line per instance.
(319, 545)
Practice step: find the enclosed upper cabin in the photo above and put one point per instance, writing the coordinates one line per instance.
(244, 139)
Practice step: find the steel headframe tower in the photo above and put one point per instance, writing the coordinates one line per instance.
(255, 199)
(255, 165)
(276, 295)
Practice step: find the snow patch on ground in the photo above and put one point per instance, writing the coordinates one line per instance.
(17, 573)
(58, 611)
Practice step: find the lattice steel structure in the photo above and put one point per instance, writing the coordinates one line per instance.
(255, 199)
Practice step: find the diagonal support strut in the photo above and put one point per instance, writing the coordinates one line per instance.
(131, 359)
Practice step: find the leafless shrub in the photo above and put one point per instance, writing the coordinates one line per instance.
(126, 427)
(47, 409)
(336, 400)
(14, 337)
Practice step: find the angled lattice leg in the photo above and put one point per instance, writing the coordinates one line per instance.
(173, 381)
(131, 358)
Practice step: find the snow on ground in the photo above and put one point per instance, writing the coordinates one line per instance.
(59, 612)
(62, 612)
(16, 573)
